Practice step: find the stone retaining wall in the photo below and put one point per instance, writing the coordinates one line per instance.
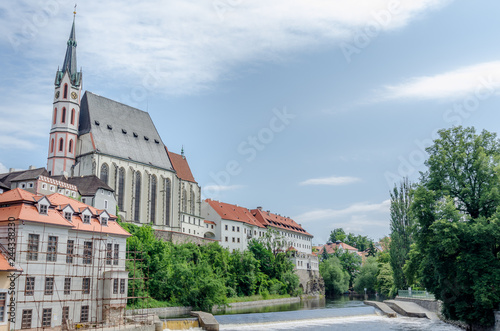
(311, 281)
(181, 238)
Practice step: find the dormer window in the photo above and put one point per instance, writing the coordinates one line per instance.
(104, 221)
(86, 219)
(67, 216)
(43, 209)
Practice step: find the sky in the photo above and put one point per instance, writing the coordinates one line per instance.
(311, 109)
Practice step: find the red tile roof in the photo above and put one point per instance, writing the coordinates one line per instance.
(209, 222)
(277, 221)
(181, 166)
(5, 265)
(332, 247)
(23, 208)
(234, 213)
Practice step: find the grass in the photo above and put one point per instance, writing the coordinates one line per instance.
(257, 297)
(149, 303)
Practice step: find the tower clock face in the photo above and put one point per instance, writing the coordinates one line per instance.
(74, 95)
(57, 95)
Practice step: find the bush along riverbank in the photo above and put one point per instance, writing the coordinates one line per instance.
(166, 274)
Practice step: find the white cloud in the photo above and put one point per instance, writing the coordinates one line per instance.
(185, 46)
(3, 169)
(354, 210)
(482, 79)
(331, 181)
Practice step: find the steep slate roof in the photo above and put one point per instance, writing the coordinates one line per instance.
(234, 213)
(181, 166)
(122, 131)
(88, 185)
(20, 204)
(277, 221)
(7, 178)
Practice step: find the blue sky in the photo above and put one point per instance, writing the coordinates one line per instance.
(311, 109)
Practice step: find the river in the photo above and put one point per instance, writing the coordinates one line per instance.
(345, 314)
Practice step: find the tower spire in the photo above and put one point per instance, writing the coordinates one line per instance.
(69, 64)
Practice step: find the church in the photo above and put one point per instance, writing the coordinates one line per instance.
(94, 135)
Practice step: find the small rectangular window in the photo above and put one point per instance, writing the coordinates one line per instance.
(225, 226)
(49, 286)
(70, 247)
(84, 315)
(43, 209)
(238, 240)
(86, 285)
(86, 219)
(122, 286)
(116, 254)
(65, 313)
(109, 253)
(26, 319)
(238, 229)
(233, 239)
(87, 252)
(226, 239)
(33, 241)
(104, 221)
(52, 249)
(47, 317)
(3, 303)
(67, 216)
(115, 286)
(67, 286)
(233, 228)
(30, 286)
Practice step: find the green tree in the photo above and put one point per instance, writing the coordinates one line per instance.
(335, 277)
(351, 263)
(458, 237)
(367, 276)
(337, 235)
(402, 229)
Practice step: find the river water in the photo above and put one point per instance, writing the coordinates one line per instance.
(343, 314)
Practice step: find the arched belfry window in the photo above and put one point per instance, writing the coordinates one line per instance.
(52, 146)
(70, 148)
(121, 187)
(55, 116)
(73, 116)
(153, 200)
(63, 115)
(104, 173)
(137, 204)
(61, 145)
(65, 93)
(167, 201)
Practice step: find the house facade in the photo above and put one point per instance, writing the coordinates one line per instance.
(72, 258)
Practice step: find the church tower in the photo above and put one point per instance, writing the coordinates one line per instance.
(66, 112)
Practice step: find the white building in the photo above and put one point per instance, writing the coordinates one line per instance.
(234, 225)
(72, 258)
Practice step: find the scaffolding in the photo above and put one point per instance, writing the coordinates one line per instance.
(73, 284)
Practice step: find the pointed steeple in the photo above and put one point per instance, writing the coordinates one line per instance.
(69, 64)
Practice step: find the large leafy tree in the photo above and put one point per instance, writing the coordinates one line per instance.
(458, 236)
(402, 228)
(335, 277)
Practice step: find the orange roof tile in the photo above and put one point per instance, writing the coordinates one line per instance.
(16, 195)
(181, 166)
(277, 221)
(209, 222)
(330, 248)
(5, 266)
(27, 211)
(234, 213)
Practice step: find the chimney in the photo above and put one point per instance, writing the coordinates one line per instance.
(31, 167)
(12, 169)
(259, 208)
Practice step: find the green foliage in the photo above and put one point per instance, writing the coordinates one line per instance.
(402, 231)
(337, 234)
(201, 276)
(385, 280)
(367, 277)
(351, 263)
(457, 206)
(335, 277)
(362, 243)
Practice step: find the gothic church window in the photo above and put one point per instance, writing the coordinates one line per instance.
(167, 201)
(55, 116)
(61, 145)
(192, 201)
(73, 116)
(70, 148)
(121, 187)
(184, 200)
(137, 205)
(65, 93)
(63, 115)
(104, 173)
(153, 199)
